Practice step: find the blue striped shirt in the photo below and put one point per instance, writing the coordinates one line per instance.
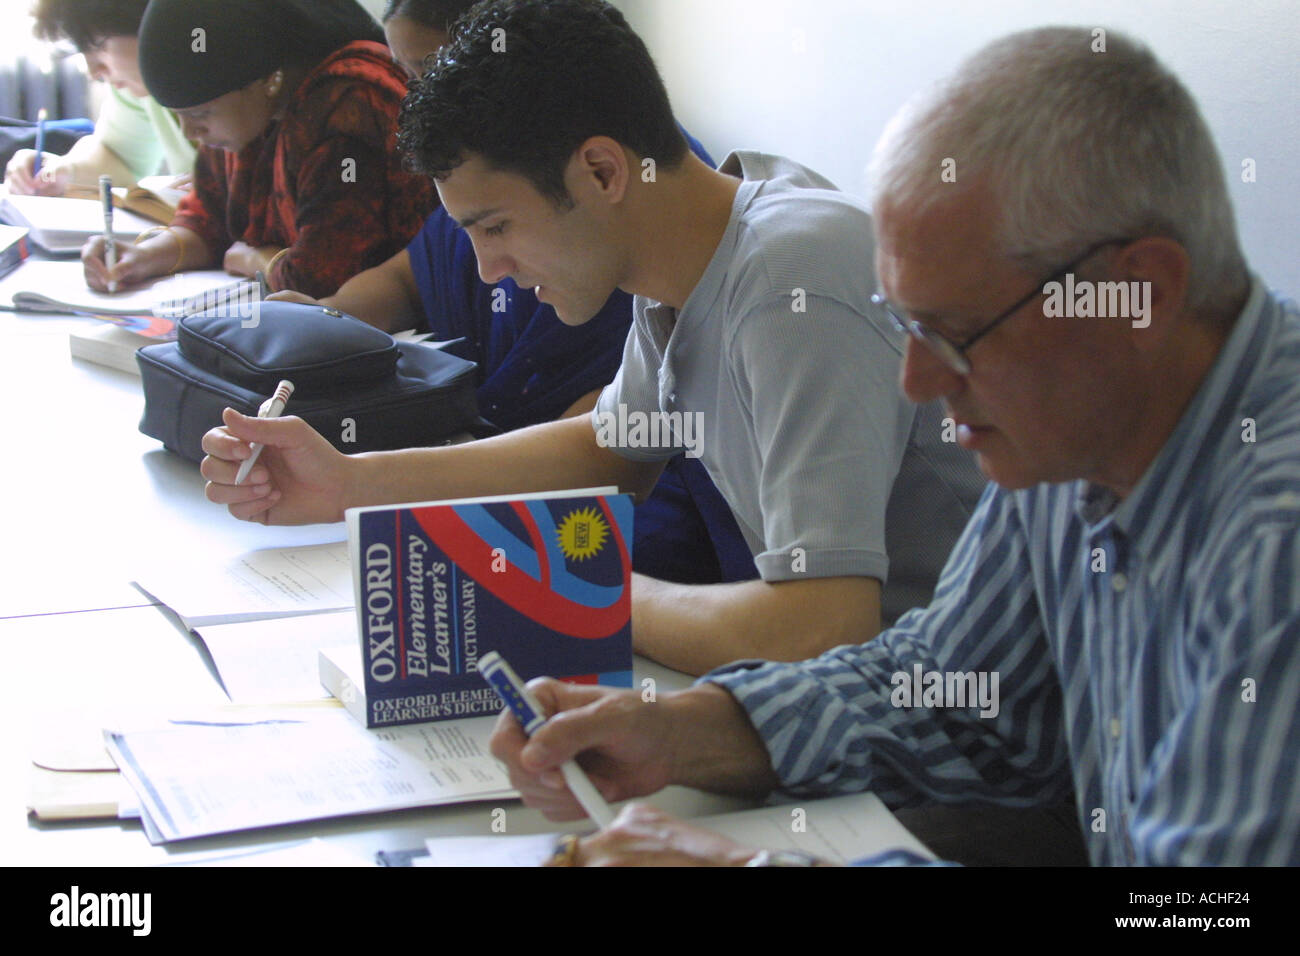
(1147, 650)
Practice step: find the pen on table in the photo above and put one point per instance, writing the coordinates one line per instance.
(528, 712)
(110, 249)
(41, 117)
(271, 408)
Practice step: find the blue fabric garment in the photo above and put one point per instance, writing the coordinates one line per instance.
(1147, 650)
(532, 367)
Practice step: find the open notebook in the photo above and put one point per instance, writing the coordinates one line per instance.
(169, 297)
(132, 318)
(153, 197)
(60, 226)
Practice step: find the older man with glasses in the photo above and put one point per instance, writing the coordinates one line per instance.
(1132, 578)
(953, 354)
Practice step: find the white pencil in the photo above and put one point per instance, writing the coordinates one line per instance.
(271, 408)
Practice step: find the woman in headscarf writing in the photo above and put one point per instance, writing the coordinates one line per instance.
(294, 103)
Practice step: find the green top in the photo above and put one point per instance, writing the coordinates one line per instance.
(144, 135)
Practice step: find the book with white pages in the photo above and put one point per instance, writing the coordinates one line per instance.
(255, 585)
(153, 197)
(112, 346)
(276, 659)
(161, 186)
(126, 330)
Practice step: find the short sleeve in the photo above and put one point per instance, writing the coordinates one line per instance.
(124, 127)
(820, 386)
(178, 151)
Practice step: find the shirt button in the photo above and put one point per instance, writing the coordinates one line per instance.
(1114, 727)
(1118, 582)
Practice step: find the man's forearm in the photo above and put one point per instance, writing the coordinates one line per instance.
(385, 296)
(717, 747)
(549, 457)
(696, 627)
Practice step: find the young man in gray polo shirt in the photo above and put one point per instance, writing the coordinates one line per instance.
(550, 135)
(795, 382)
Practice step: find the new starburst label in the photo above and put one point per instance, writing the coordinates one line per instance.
(582, 534)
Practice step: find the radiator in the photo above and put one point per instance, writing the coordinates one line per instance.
(62, 87)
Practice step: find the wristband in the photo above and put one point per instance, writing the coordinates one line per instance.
(274, 259)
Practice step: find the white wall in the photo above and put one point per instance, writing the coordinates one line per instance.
(817, 80)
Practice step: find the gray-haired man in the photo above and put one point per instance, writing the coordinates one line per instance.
(1133, 583)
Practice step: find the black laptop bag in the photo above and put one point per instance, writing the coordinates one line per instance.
(354, 384)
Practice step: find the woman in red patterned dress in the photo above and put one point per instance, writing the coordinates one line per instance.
(294, 103)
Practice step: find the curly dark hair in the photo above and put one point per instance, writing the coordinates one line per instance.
(87, 22)
(523, 83)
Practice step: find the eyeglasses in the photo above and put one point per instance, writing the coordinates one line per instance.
(953, 354)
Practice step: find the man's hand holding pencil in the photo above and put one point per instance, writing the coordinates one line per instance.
(299, 477)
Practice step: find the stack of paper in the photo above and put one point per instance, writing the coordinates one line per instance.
(72, 776)
(255, 585)
(221, 773)
(264, 615)
(314, 853)
(838, 830)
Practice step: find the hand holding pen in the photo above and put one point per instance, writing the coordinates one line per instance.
(273, 407)
(33, 172)
(110, 247)
(41, 118)
(502, 678)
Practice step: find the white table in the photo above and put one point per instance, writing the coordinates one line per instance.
(87, 501)
(106, 663)
(88, 498)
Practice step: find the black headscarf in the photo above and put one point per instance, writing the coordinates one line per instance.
(193, 51)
